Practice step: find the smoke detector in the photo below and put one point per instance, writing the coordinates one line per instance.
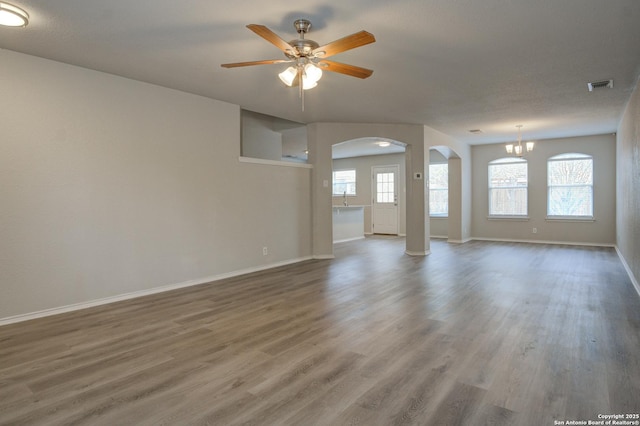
(600, 85)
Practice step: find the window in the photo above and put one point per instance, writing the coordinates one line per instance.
(570, 185)
(344, 182)
(439, 189)
(385, 188)
(508, 187)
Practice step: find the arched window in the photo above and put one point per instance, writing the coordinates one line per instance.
(570, 185)
(508, 185)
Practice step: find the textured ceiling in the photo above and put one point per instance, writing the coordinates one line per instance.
(451, 65)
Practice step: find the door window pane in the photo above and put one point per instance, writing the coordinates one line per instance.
(385, 192)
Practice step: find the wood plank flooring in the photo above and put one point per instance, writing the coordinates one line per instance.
(482, 333)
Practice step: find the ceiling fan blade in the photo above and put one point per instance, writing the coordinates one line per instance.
(272, 38)
(246, 64)
(346, 43)
(351, 70)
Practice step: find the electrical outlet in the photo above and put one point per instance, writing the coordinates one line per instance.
(265, 251)
(534, 230)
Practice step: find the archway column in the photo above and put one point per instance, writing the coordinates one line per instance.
(321, 176)
(455, 200)
(417, 184)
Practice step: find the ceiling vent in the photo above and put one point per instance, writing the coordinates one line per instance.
(475, 131)
(600, 85)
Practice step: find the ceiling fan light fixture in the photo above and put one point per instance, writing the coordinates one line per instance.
(308, 84)
(312, 72)
(310, 76)
(13, 16)
(305, 55)
(288, 76)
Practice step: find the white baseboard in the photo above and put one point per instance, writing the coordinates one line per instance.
(348, 239)
(466, 240)
(141, 293)
(633, 279)
(563, 243)
(418, 253)
(323, 256)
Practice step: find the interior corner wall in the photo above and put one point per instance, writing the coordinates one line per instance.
(627, 184)
(258, 139)
(111, 187)
(598, 232)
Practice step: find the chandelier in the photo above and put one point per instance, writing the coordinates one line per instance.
(517, 149)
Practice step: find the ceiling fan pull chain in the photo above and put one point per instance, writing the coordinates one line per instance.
(300, 75)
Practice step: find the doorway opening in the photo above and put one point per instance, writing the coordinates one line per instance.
(368, 195)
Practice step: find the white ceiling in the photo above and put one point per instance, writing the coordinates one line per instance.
(451, 65)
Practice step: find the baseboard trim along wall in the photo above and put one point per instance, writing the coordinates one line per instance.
(133, 295)
(633, 279)
(141, 293)
(562, 243)
(348, 239)
(418, 253)
(323, 256)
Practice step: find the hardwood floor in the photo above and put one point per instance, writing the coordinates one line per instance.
(474, 334)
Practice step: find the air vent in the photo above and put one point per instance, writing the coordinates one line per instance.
(600, 85)
(475, 131)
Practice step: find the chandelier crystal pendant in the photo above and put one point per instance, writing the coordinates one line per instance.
(517, 148)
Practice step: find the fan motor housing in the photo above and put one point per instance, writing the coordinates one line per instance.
(303, 46)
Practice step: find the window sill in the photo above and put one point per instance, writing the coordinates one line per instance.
(580, 219)
(439, 216)
(511, 218)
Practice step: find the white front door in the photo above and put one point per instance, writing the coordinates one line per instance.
(385, 200)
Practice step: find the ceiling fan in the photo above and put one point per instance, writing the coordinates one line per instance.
(307, 57)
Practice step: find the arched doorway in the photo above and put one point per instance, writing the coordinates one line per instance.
(368, 188)
(445, 219)
(322, 137)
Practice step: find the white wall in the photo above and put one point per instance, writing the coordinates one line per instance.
(599, 232)
(628, 187)
(259, 140)
(110, 186)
